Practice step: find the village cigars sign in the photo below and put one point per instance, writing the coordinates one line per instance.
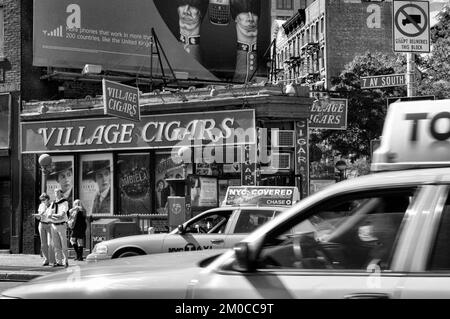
(329, 114)
(121, 100)
(155, 131)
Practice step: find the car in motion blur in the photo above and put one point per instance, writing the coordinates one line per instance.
(245, 209)
(385, 235)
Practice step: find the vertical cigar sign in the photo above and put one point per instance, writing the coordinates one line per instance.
(302, 157)
(121, 100)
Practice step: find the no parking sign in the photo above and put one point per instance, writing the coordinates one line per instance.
(411, 26)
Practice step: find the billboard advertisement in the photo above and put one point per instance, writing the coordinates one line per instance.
(198, 40)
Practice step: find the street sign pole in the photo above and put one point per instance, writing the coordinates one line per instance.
(410, 74)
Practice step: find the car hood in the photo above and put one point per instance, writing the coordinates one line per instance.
(163, 276)
(135, 240)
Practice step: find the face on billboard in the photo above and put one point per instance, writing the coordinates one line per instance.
(247, 24)
(189, 17)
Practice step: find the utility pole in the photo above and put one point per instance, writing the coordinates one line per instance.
(410, 74)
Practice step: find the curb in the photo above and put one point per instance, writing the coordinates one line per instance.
(18, 276)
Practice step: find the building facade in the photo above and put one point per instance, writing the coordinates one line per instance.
(315, 44)
(32, 94)
(189, 146)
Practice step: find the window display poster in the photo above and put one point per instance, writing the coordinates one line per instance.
(203, 191)
(96, 184)
(165, 169)
(134, 184)
(61, 176)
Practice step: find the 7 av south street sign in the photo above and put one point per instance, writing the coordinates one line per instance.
(380, 81)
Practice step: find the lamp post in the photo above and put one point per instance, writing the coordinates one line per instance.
(45, 161)
(341, 166)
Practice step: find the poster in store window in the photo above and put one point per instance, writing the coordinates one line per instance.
(96, 184)
(165, 169)
(203, 191)
(134, 184)
(61, 176)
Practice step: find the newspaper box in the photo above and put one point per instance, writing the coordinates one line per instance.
(102, 229)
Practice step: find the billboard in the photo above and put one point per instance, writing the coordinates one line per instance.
(116, 34)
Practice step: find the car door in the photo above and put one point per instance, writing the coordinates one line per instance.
(342, 247)
(429, 276)
(246, 221)
(207, 231)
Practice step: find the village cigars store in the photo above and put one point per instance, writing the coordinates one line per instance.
(120, 168)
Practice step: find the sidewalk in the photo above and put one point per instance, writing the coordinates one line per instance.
(20, 267)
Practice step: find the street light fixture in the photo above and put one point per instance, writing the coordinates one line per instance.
(341, 166)
(45, 161)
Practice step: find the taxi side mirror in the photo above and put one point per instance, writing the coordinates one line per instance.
(181, 229)
(244, 261)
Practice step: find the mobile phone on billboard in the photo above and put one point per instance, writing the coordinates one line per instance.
(219, 12)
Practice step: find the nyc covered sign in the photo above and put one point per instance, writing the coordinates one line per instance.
(121, 100)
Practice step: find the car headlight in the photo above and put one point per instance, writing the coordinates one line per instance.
(101, 249)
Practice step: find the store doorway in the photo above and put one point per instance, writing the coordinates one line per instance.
(5, 214)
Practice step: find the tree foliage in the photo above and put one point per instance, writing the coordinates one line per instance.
(366, 108)
(436, 66)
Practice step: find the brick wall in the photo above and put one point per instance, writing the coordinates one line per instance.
(11, 65)
(355, 28)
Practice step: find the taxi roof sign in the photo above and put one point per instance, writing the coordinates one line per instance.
(415, 135)
(261, 196)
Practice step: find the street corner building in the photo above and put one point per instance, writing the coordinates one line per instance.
(140, 174)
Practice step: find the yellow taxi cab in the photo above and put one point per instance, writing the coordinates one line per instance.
(385, 235)
(244, 209)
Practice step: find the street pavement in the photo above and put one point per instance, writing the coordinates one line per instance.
(22, 267)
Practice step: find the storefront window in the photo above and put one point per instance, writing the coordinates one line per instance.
(134, 184)
(96, 183)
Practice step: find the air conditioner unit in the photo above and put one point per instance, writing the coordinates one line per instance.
(280, 161)
(283, 138)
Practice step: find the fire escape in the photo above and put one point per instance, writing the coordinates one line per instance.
(309, 55)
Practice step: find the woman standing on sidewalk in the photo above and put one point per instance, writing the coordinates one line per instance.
(77, 224)
(45, 230)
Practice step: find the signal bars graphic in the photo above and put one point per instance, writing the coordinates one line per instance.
(57, 32)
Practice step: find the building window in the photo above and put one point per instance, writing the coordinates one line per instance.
(317, 31)
(322, 30)
(2, 32)
(322, 57)
(284, 4)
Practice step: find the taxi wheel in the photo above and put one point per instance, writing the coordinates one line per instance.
(128, 253)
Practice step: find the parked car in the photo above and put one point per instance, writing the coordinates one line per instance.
(214, 229)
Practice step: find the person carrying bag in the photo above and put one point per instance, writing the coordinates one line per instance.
(77, 225)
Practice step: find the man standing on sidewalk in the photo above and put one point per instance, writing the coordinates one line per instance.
(45, 230)
(60, 207)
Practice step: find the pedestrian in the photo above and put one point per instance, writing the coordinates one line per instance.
(59, 212)
(77, 225)
(45, 230)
